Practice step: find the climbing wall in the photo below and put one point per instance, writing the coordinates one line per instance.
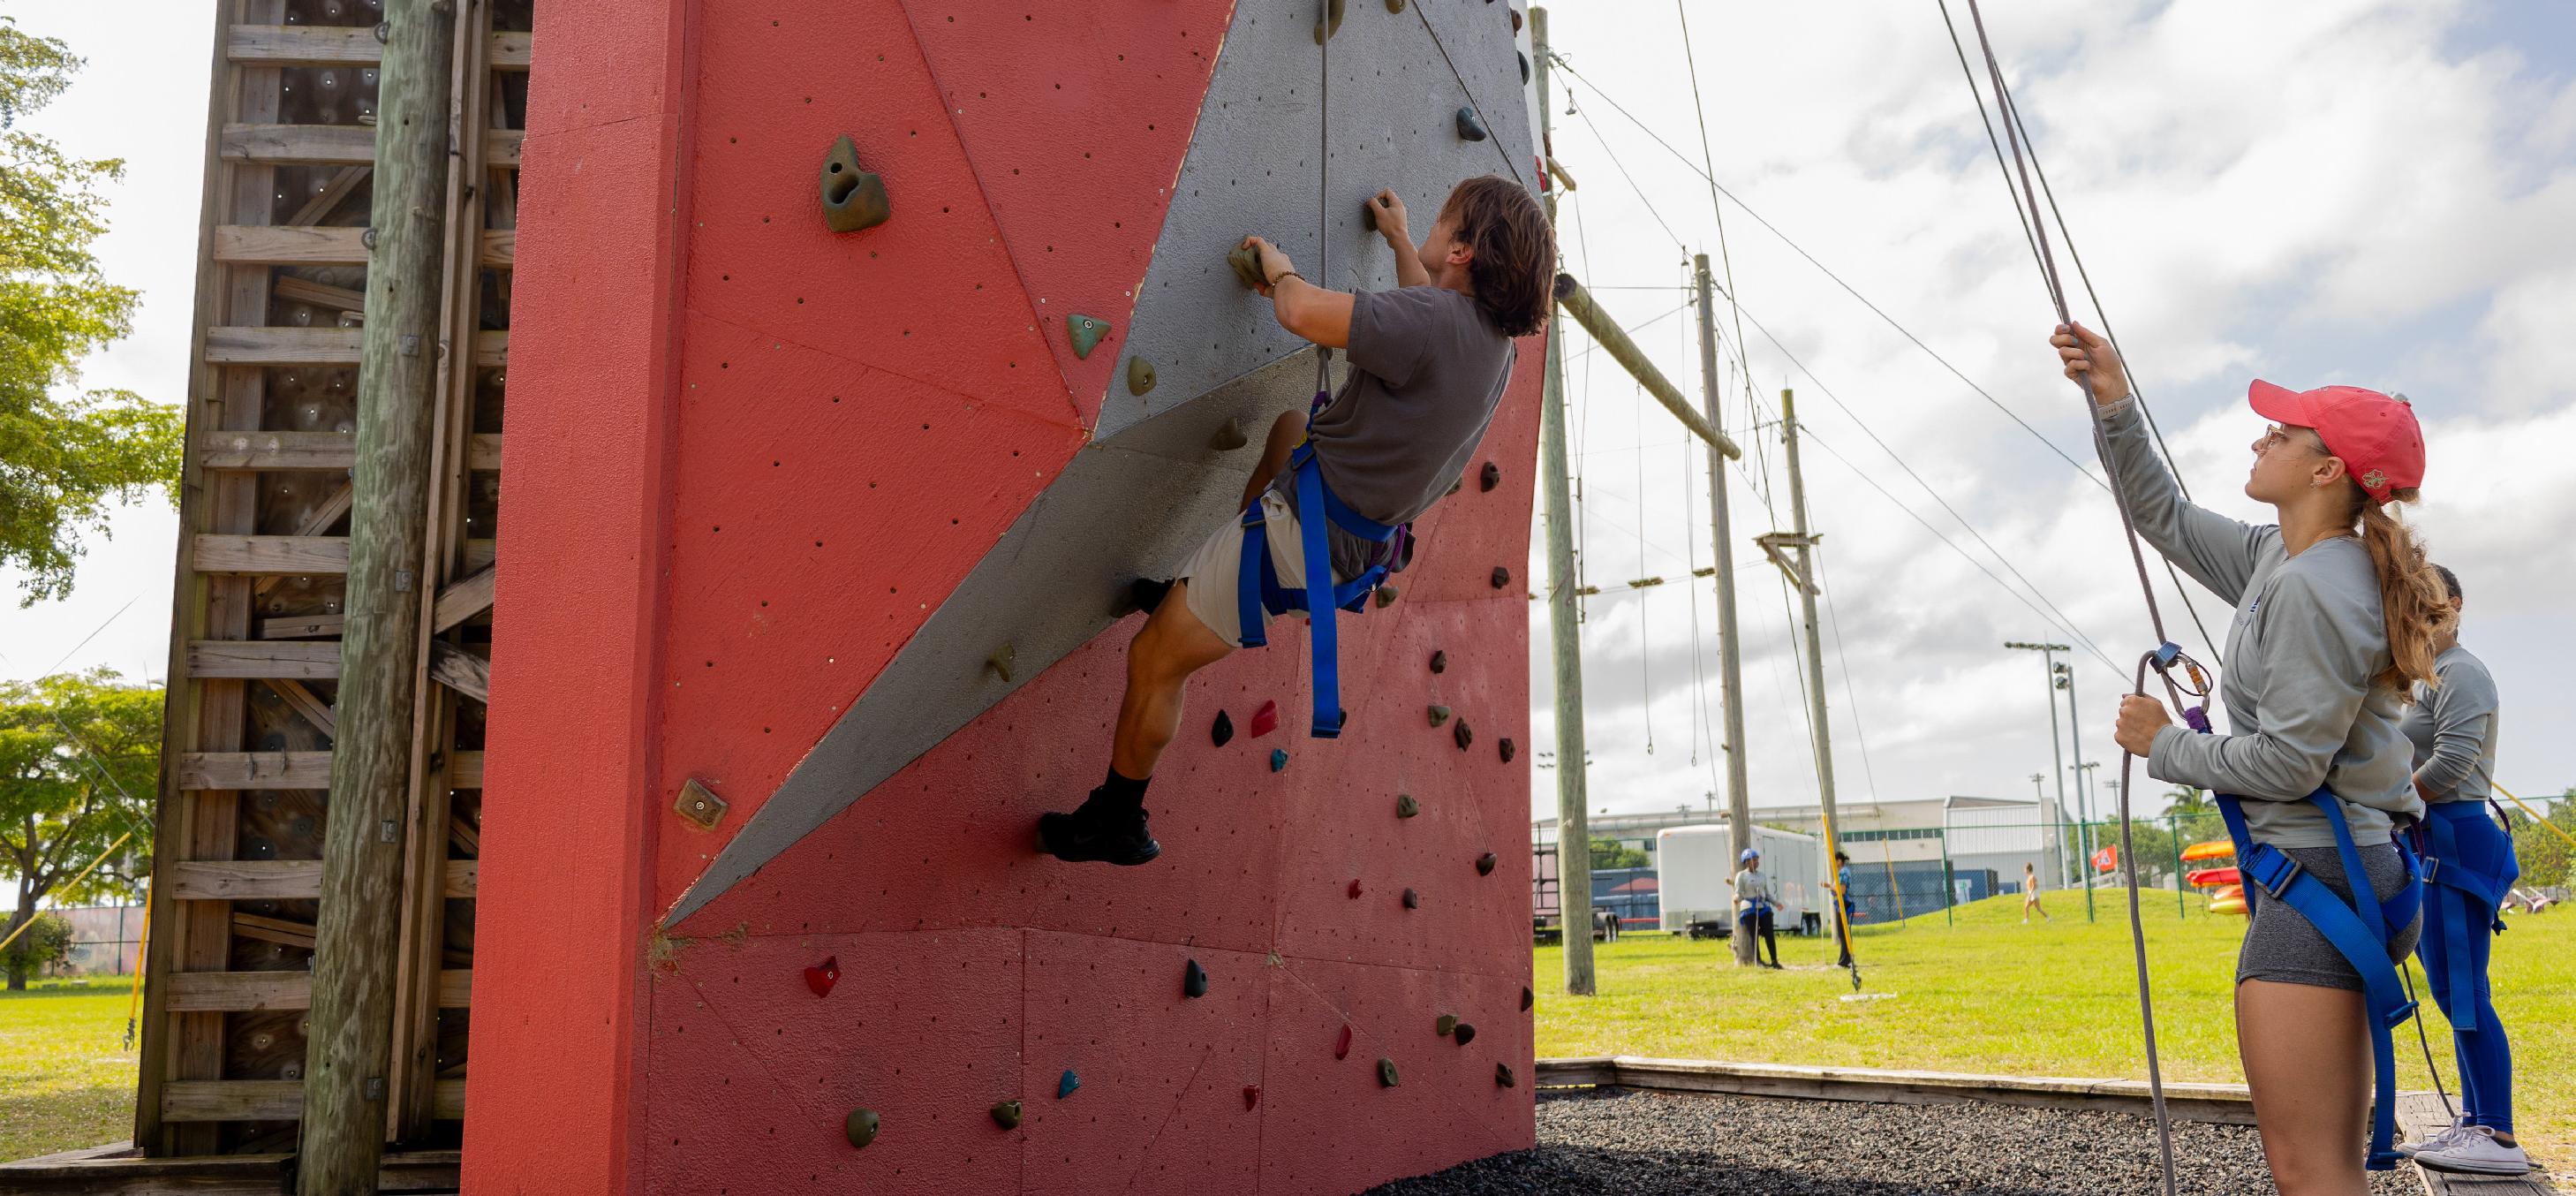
(787, 673)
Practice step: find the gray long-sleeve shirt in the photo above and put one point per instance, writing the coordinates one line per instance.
(2454, 729)
(2308, 639)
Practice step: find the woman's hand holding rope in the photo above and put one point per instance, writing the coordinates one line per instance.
(2141, 718)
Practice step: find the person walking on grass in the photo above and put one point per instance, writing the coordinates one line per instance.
(2469, 869)
(1428, 364)
(2030, 894)
(2336, 616)
(1753, 905)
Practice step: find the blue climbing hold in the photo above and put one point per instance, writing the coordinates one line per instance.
(1278, 759)
(1065, 1086)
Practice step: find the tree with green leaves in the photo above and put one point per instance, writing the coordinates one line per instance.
(1611, 853)
(2546, 859)
(80, 755)
(66, 456)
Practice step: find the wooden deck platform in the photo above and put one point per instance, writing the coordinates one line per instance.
(117, 1169)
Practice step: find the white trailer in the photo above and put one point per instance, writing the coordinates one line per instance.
(1695, 878)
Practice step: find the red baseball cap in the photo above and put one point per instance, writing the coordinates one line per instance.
(2376, 435)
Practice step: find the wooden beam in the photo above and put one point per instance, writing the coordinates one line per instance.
(288, 245)
(305, 702)
(330, 196)
(320, 346)
(320, 452)
(275, 880)
(283, 931)
(116, 1170)
(262, 659)
(343, 45)
(297, 627)
(242, 992)
(462, 601)
(290, 770)
(319, 294)
(266, 1100)
(334, 145)
(296, 556)
(460, 670)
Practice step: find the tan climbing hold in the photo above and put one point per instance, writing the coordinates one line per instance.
(853, 199)
(1000, 662)
(1140, 375)
(1229, 438)
(1330, 23)
(1247, 265)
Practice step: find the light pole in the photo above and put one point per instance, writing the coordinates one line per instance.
(2064, 678)
(2048, 654)
(2039, 798)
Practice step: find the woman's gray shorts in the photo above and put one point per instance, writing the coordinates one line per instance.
(2281, 945)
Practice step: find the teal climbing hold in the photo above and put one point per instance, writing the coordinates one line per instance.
(1007, 1114)
(1278, 759)
(1439, 715)
(1386, 1073)
(1086, 333)
(1405, 806)
(853, 199)
(1194, 980)
(1471, 128)
(1140, 375)
(861, 1126)
(1065, 1086)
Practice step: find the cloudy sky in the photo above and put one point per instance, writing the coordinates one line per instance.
(2375, 193)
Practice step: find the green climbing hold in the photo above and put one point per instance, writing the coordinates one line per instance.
(1469, 127)
(1247, 265)
(1140, 375)
(1464, 1034)
(1007, 1114)
(1412, 900)
(1405, 806)
(1229, 438)
(1447, 1023)
(853, 199)
(861, 1127)
(1508, 751)
(1462, 734)
(1000, 662)
(1278, 759)
(1330, 22)
(1503, 1076)
(1386, 596)
(1395, 5)
(1064, 1087)
(1386, 1073)
(1439, 661)
(1439, 715)
(1086, 333)
(1485, 864)
(1194, 980)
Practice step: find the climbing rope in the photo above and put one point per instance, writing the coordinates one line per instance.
(1328, 25)
(2163, 659)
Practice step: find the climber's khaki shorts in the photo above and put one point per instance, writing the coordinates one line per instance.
(1215, 571)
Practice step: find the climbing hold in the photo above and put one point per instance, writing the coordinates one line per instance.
(1194, 980)
(1439, 715)
(1065, 1086)
(1462, 734)
(1386, 596)
(1278, 759)
(821, 977)
(1516, 20)
(1000, 662)
(1395, 5)
(1464, 1034)
(1412, 900)
(1439, 662)
(1386, 1073)
(1516, 17)
(1502, 577)
(1485, 864)
(1265, 720)
(1508, 750)
(1140, 375)
(1086, 333)
(1405, 806)
(1330, 23)
(1491, 476)
(1230, 437)
(1251, 1096)
(1007, 1114)
(1355, 889)
(1223, 730)
(1455, 486)
(1448, 1022)
(1247, 265)
(1525, 998)
(1469, 127)
(861, 1127)
(853, 199)
(1503, 1076)
(1368, 208)
(1342, 1045)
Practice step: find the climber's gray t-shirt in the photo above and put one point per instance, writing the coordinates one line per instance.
(2453, 729)
(1427, 370)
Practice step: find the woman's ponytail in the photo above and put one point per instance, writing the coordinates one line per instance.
(2411, 595)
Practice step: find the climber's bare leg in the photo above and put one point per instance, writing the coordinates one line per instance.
(1173, 645)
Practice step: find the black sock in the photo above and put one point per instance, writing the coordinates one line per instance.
(1121, 794)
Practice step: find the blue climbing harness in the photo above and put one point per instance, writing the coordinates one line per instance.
(2359, 931)
(2461, 898)
(1259, 595)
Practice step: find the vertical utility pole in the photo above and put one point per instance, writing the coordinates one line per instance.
(1803, 575)
(1573, 826)
(2075, 739)
(1739, 812)
(349, 1045)
(2056, 752)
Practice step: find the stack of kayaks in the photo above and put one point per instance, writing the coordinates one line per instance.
(2226, 888)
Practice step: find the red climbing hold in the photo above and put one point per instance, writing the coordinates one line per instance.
(1342, 1045)
(1251, 1096)
(823, 976)
(1355, 889)
(1439, 662)
(1412, 900)
(1265, 720)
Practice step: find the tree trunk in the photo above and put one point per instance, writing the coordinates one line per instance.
(26, 914)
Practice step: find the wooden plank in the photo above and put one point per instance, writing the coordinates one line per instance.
(306, 703)
(332, 145)
(321, 452)
(237, 992)
(343, 45)
(255, 770)
(295, 556)
(462, 601)
(232, 1100)
(296, 627)
(2419, 1116)
(1589, 1071)
(276, 880)
(319, 294)
(288, 245)
(2228, 1104)
(466, 836)
(262, 659)
(328, 198)
(284, 931)
(118, 1170)
(320, 346)
(460, 670)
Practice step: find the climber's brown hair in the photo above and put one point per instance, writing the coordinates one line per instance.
(1515, 260)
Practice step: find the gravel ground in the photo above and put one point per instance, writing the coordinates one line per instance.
(1652, 1144)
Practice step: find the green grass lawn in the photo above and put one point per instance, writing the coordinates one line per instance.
(1991, 995)
(66, 1079)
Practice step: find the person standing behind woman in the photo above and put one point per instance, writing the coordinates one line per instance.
(2030, 895)
(1753, 904)
(2336, 611)
(2470, 866)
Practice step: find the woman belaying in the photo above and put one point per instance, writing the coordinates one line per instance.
(1753, 905)
(2336, 614)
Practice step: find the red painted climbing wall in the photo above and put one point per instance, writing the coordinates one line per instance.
(754, 456)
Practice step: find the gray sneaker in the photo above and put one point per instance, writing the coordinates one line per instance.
(2474, 1149)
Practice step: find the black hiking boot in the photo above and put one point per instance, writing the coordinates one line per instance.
(1094, 834)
